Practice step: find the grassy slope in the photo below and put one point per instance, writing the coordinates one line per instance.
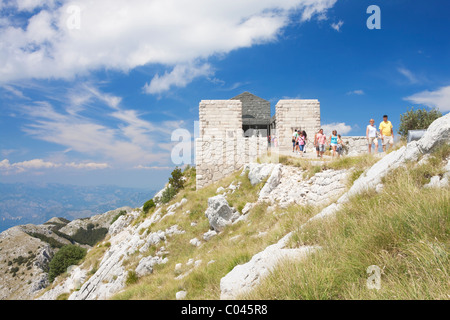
(404, 230)
(204, 281)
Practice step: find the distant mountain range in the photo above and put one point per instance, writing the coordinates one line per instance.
(37, 203)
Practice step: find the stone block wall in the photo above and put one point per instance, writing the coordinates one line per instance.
(222, 148)
(296, 114)
(356, 145)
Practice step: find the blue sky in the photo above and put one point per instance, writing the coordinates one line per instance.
(90, 92)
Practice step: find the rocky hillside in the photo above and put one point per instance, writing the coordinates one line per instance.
(27, 250)
(227, 240)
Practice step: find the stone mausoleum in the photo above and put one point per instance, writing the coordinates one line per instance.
(234, 132)
(256, 116)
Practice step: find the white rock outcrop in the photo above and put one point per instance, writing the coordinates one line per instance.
(287, 186)
(145, 266)
(244, 278)
(195, 242)
(258, 172)
(219, 213)
(273, 182)
(181, 295)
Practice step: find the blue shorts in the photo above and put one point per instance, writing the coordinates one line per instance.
(302, 147)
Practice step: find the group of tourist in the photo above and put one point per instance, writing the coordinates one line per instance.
(335, 143)
(385, 134)
(299, 140)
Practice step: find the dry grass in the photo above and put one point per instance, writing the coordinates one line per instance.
(261, 229)
(404, 230)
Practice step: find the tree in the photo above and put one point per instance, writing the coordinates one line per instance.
(177, 180)
(168, 194)
(67, 256)
(417, 120)
(149, 205)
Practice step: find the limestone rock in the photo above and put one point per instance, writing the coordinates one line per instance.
(219, 213)
(181, 295)
(258, 172)
(249, 206)
(220, 190)
(244, 278)
(146, 265)
(195, 242)
(273, 182)
(209, 235)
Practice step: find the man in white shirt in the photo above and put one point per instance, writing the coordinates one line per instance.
(294, 140)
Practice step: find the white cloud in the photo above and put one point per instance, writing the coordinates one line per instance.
(6, 167)
(122, 35)
(356, 92)
(439, 98)
(30, 5)
(108, 131)
(180, 76)
(408, 74)
(340, 127)
(16, 92)
(337, 26)
(141, 167)
(88, 166)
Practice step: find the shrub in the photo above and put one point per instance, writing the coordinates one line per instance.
(65, 257)
(168, 194)
(90, 236)
(117, 216)
(177, 181)
(132, 278)
(149, 205)
(417, 120)
(51, 241)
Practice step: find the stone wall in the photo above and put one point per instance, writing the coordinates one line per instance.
(296, 114)
(356, 145)
(222, 148)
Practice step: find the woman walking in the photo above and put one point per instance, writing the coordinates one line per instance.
(305, 138)
(334, 142)
(372, 136)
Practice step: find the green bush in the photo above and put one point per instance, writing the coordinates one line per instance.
(117, 216)
(51, 241)
(417, 120)
(168, 194)
(132, 278)
(65, 257)
(177, 181)
(149, 205)
(89, 236)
